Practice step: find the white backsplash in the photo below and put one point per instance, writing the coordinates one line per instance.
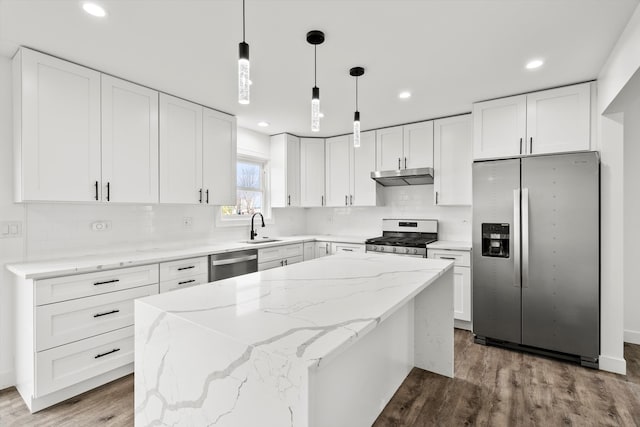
(57, 230)
(454, 222)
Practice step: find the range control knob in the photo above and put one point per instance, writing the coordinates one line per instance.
(406, 251)
(394, 250)
(415, 252)
(373, 248)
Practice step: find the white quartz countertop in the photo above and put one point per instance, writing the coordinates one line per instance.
(451, 245)
(308, 311)
(129, 258)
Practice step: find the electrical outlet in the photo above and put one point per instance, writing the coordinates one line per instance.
(101, 225)
(187, 222)
(10, 229)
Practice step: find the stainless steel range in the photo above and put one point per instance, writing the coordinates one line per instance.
(408, 237)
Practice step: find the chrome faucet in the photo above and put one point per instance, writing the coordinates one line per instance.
(255, 233)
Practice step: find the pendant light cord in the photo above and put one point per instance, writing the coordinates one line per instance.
(315, 65)
(356, 93)
(243, 40)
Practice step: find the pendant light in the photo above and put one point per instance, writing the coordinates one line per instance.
(356, 72)
(315, 38)
(243, 67)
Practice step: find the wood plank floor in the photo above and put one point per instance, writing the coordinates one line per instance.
(493, 387)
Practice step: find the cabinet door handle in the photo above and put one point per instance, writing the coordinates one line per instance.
(286, 262)
(347, 250)
(289, 200)
(107, 353)
(531, 145)
(351, 199)
(186, 268)
(106, 313)
(436, 197)
(405, 162)
(200, 196)
(186, 281)
(207, 196)
(96, 190)
(398, 163)
(281, 263)
(520, 146)
(326, 248)
(108, 191)
(345, 200)
(321, 200)
(106, 282)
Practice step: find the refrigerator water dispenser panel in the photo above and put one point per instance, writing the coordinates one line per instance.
(495, 240)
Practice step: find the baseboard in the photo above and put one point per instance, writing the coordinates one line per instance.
(7, 379)
(632, 337)
(613, 364)
(461, 324)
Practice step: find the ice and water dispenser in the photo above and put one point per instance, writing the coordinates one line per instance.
(495, 240)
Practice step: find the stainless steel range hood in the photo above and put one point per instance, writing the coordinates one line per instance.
(394, 178)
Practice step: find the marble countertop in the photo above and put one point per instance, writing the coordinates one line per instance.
(129, 258)
(451, 245)
(308, 311)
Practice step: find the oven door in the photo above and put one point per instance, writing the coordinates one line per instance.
(397, 254)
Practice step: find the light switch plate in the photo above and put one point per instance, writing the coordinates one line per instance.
(101, 225)
(9, 229)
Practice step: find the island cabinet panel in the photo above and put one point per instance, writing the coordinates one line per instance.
(76, 332)
(57, 129)
(312, 172)
(549, 121)
(129, 142)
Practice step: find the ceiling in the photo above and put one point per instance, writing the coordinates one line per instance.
(448, 53)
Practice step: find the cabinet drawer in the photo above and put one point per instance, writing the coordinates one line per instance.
(269, 254)
(68, 321)
(346, 247)
(459, 258)
(270, 264)
(184, 282)
(84, 285)
(293, 260)
(290, 251)
(70, 364)
(183, 268)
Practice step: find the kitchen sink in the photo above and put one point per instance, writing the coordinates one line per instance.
(263, 240)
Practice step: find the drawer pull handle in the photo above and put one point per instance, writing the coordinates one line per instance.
(447, 257)
(347, 250)
(97, 356)
(106, 282)
(106, 313)
(186, 268)
(186, 281)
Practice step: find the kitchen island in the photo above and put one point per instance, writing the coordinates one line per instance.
(321, 343)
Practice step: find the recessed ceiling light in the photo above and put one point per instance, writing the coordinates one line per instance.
(404, 95)
(321, 115)
(536, 63)
(94, 9)
(263, 124)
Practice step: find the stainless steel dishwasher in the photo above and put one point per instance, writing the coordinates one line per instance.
(231, 264)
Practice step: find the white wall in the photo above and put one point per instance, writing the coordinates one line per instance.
(632, 221)
(400, 202)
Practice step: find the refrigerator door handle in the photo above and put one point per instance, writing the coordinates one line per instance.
(516, 239)
(525, 237)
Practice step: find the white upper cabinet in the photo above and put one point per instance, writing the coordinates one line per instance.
(285, 171)
(558, 120)
(57, 129)
(363, 162)
(549, 121)
(312, 172)
(418, 145)
(405, 147)
(129, 142)
(453, 162)
(499, 127)
(389, 148)
(219, 152)
(338, 170)
(180, 151)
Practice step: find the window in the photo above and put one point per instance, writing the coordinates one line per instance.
(250, 190)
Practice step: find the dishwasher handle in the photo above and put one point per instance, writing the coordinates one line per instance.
(233, 260)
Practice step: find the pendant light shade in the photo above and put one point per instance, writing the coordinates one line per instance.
(315, 38)
(356, 72)
(243, 67)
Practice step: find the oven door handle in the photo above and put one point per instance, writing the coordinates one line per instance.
(234, 260)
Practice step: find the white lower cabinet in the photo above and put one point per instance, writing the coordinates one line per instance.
(279, 256)
(183, 273)
(347, 247)
(322, 249)
(309, 251)
(74, 333)
(461, 282)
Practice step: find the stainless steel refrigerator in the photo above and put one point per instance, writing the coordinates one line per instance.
(536, 254)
